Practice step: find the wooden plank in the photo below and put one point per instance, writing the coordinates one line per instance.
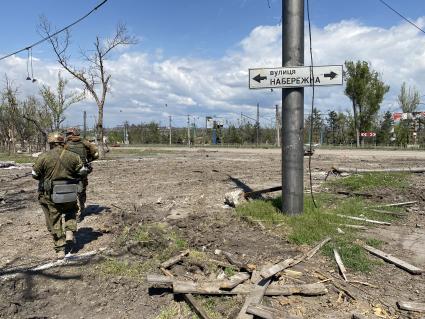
(340, 264)
(262, 191)
(261, 311)
(175, 259)
(195, 306)
(235, 280)
(273, 270)
(159, 280)
(234, 261)
(265, 312)
(363, 219)
(391, 259)
(316, 289)
(411, 306)
(396, 204)
(254, 297)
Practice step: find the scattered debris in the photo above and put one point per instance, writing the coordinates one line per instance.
(235, 262)
(340, 265)
(411, 306)
(254, 297)
(191, 301)
(260, 283)
(7, 164)
(234, 198)
(174, 260)
(391, 259)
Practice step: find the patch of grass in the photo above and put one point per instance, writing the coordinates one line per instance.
(211, 304)
(370, 181)
(377, 243)
(156, 238)
(176, 310)
(17, 158)
(317, 223)
(260, 210)
(352, 254)
(115, 267)
(229, 271)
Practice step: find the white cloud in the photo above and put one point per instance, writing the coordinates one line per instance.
(142, 84)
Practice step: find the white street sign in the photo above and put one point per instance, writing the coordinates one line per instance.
(296, 76)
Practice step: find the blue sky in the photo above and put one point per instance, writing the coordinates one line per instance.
(194, 55)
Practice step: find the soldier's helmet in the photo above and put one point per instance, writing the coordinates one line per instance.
(55, 137)
(73, 131)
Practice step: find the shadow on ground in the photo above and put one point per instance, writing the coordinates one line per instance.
(84, 236)
(94, 210)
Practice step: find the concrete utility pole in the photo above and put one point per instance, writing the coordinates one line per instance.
(292, 110)
(258, 123)
(188, 130)
(277, 126)
(84, 124)
(169, 119)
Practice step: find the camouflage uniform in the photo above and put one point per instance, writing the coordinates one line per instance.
(54, 165)
(88, 153)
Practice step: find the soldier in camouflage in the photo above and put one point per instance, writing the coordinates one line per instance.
(88, 153)
(52, 167)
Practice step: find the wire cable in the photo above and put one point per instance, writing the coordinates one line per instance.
(402, 16)
(56, 33)
(312, 104)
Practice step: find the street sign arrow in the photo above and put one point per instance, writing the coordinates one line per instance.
(295, 76)
(331, 75)
(258, 78)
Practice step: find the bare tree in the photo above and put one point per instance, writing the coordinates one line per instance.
(59, 102)
(409, 99)
(94, 76)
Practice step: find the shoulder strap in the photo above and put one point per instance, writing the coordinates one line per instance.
(58, 161)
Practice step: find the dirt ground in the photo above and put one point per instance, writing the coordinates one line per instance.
(184, 189)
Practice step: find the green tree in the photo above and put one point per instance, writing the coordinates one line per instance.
(366, 92)
(332, 122)
(409, 100)
(316, 120)
(384, 133)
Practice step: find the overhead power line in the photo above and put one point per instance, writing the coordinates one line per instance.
(402, 16)
(56, 33)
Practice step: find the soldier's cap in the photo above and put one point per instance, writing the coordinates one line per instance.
(55, 137)
(73, 131)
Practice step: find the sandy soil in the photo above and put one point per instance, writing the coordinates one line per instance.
(184, 188)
